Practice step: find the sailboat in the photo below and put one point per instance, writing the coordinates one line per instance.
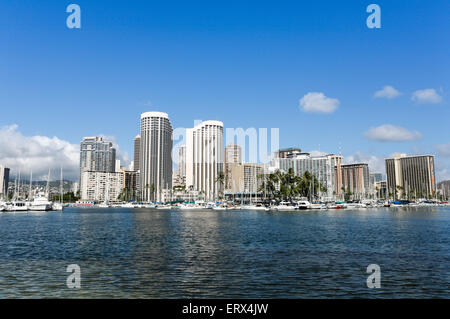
(16, 205)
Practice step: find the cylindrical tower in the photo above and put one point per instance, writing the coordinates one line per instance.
(155, 158)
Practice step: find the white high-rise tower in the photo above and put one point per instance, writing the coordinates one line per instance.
(204, 158)
(155, 156)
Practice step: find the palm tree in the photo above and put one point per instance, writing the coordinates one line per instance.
(221, 180)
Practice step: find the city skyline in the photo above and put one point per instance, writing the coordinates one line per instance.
(381, 91)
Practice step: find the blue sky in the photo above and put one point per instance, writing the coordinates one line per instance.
(246, 63)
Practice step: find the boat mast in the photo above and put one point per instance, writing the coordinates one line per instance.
(61, 187)
(31, 186)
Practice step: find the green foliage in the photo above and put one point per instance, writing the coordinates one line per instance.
(287, 186)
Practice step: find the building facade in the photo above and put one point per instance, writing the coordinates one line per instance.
(101, 186)
(410, 177)
(97, 155)
(233, 155)
(355, 180)
(205, 158)
(4, 181)
(244, 178)
(137, 148)
(155, 155)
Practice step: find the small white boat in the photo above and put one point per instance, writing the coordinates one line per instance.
(317, 206)
(189, 207)
(304, 204)
(57, 206)
(285, 206)
(105, 204)
(16, 206)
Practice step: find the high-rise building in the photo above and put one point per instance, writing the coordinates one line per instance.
(323, 167)
(205, 158)
(137, 148)
(155, 155)
(97, 155)
(410, 176)
(4, 180)
(355, 180)
(233, 155)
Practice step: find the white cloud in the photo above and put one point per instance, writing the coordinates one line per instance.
(41, 153)
(376, 163)
(318, 103)
(426, 96)
(443, 149)
(388, 92)
(392, 133)
(37, 153)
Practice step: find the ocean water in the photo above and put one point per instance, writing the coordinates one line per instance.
(145, 253)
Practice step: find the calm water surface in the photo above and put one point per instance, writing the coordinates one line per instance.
(143, 253)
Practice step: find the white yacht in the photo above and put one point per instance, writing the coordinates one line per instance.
(16, 206)
(40, 203)
(285, 206)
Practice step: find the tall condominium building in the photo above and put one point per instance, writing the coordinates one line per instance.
(205, 158)
(355, 180)
(155, 155)
(4, 180)
(97, 155)
(137, 148)
(101, 186)
(323, 167)
(233, 155)
(410, 176)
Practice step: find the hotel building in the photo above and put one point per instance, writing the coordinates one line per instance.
(323, 167)
(410, 176)
(205, 158)
(155, 155)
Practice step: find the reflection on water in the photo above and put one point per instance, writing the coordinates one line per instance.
(142, 253)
